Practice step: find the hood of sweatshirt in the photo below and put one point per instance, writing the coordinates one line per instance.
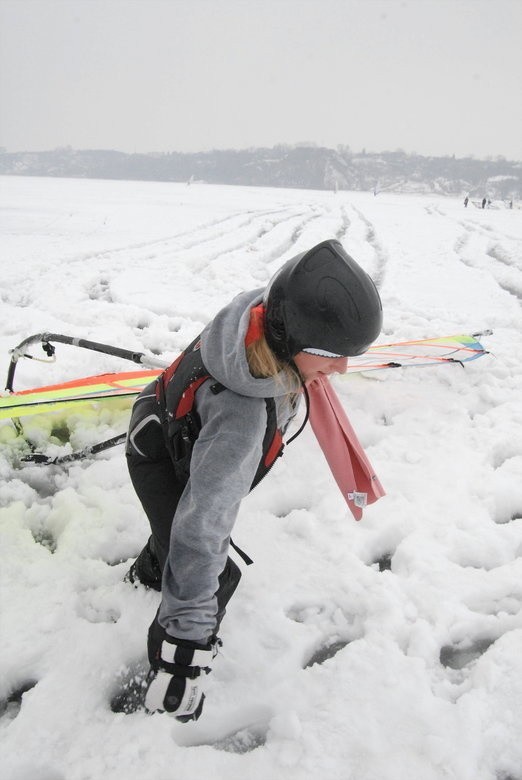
(224, 354)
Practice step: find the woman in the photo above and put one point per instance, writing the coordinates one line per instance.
(211, 427)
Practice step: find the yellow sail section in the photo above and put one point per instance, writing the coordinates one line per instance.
(53, 398)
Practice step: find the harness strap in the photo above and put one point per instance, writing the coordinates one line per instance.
(307, 415)
(242, 554)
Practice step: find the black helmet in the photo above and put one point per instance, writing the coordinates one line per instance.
(322, 301)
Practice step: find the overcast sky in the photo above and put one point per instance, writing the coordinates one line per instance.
(429, 76)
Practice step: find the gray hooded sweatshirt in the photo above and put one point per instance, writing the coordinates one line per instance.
(224, 461)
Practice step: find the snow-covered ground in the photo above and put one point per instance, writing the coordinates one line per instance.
(389, 649)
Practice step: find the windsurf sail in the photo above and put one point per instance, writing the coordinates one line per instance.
(457, 349)
(421, 352)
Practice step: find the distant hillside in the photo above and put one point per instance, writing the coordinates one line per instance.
(300, 166)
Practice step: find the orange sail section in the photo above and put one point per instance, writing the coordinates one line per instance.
(78, 391)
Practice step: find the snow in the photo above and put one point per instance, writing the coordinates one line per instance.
(389, 649)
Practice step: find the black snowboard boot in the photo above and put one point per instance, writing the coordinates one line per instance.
(145, 570)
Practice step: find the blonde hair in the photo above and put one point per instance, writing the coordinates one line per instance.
(263, 363)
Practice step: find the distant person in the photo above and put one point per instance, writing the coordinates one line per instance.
(466, 201)
(192, 466)
(484, 203)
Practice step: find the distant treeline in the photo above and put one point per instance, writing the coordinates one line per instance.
(309, 167)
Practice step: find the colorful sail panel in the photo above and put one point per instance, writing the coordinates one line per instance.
(424, 352)
(79, 391)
